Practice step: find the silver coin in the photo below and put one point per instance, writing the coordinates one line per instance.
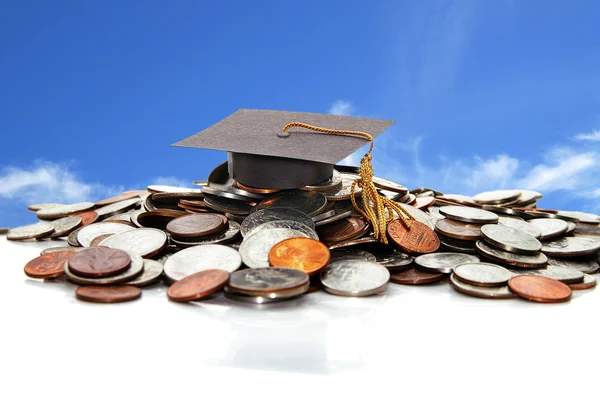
(334, 182)
(571, 228)
(308, 202)
(55, 212)
(170, 189)
(513, 259)
(562, 274)
(118, 207)
(395, 196)
(255, 248)
(496, 197)
(571, 247)
(395, 261)
(434, 212)
(550, 228)
(334, 218)
(72, 238)
(230, 234)
(589, 282)
(507, 211)
(249, 195)
(289, 224)
(324, 216)
(528, 197)
(457, 245)
(58, 249)
(201, 258)
(540, 214)
(144, 242)
(523, 226)
(123, 217)
(267, 298)
(226, 193)
(263, 281)
(510, 239)
(30, 231)
(274, 213)
(351, 254)
(389, 185)
(425, 194)
(226, 205)
(418, 215)
(469, 214)
(457, 198)
(163, 257)
(238, 219)
(355, 278)
(66, 225)
(443, 262)
(135, 268)
(40, 206)
(134, 217)
(344, 192)
(587, 267)
(499, 292)
(587, 218)
(87, 234)
(201, 183)
(152, 273)
(483, 274)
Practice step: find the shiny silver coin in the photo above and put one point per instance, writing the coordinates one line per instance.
(587, 218)
(64, 226)
(562, 274)
(144, 242)
(589, 282)
(274, 213)
(571, 228)
(152, 273)
(230, 234)
(351, 254)
(389, 185)
(457, 198)
(510, 239)
(457, 245)
(118, 207)
(255, 248)
(201, 258)
(308, 202)
(513, 259)
(395, 196)
(418, 215)
(507, 211)
(425, 194)
(225, 205)
(278, 224)
(334, 182)
(30, 231)
(500, 292)
(497, 197)
(55, 212)
(87, 234)
(253, 197)
(264, 281)
(523, 226)
(40, 206)
(170, 189)
(355, 278)
(58, 249)
(267, 298)
(443, 262)
(528, 197)
(324, 216)
(587, 267)
(469, 214)
(550, 228)
(395, 261)
(344, 192)
(571, 247)
(135, 268)
(540, 214)
(482, 274)
(224, 192)
(334, 218)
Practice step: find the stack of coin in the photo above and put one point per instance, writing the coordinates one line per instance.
(462, 227)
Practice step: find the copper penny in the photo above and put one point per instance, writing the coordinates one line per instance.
(48, 266)
(99, 262)
(304, 254)
(424, 202)
(192, 203)
(414, 276)
(108, 294)
(540, 289)
(257, 191)
(418, 239)
(197, 225)
(157, 218)
(458, 230)
(88, 217)
(97, 240)
(346, 229)
(198, 285)
(115, 199)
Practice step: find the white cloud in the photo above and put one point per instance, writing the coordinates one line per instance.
(594, 136)
(341, 107)
(172, 181)
(565, 173)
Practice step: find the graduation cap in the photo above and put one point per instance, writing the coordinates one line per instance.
(262, 156)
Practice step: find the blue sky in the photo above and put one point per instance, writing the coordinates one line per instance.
(486, 95)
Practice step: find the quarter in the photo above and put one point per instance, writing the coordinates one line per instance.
(443, 262)
(355, 278)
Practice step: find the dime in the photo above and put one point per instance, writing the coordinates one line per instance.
(324, 216)
(263, 281)
(225, 205)
(419, 215)
(116, 208)
(355, 278)
(443, 262)
(351, 254)
(87, 234)
(99, 262)
(136, 267)
(563, 274)
(145, 242)
(469, 214)
(418, 239)
(458, 230)
(64, 226)
(108, 294)
(540, 289)
(274, 213)
(30, 231)
(255, 248)
(304, 254)
(457, 245)
(344, 192)
(501, 292)
(229, 235)
(308, 202)
(514, 259)
(61, 211)
(287, 224)
(197, 225)
(414, 276)
(152, 273)
(571, 247)
(497, 197)
(550, 228)
(587, 267)
(198, 285)
(588, 282)
(389, 185)
(334, 218)
(342, 230)
(510, 239)
(395, 260)
(115, 199)
(48, 266)
(201, 258)
(482, 274)
(333, 183)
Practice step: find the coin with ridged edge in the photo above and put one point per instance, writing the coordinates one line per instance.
(30, 231)
(274, 213)
(351, 254)
(589, 282)
(226, 205)
(585, 266)
(521, 225)
(395, 260)
(355, 278)
(226, 236)
(262, 281)
(64, 226)
(443, 262)
(563, 274)
(152, 273)
(61, 211)
(116, 208)
(288, 224)
(87, 234)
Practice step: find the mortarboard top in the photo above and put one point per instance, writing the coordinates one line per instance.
(259, 157)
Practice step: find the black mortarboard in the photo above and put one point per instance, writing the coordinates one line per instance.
(260, 157)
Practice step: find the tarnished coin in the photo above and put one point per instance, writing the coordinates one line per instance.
(229, 235)
(563, 274)
(135, 268)
(99, 262)
(419, 215)
(116, 208)
(255, 248)
(155, 218)
(540, 289)
(333, 183)
(342, 230)
(304, 254)
(145, 242)
(457, 245)
(510, 239)
(48, 266)
(225, 205)
(514, 259)
(334, 218)
(418, 239)
(351, 254)
(4, 231)
(395, 260)
(458, 230)
(30, 231)
(197, 225)
(497, 197)
(274, 213)
(108, 294)
(231, 193)
(389, 185)
(571, 247)
(589, 282)
(469, 214)
(521, 225)
(72, 238)
(288, 224)
(87, 234)
(443, 262)
(550, 228)
(61, 211)
(587, 267)
(355, 278)
(482, 274)
(198, 285)
(413, 276)
(64, 226)
(353, 242)
(152, 273)
(201, 258)
(266, 280)
(308, 202)
(499, 292)
(115, 199)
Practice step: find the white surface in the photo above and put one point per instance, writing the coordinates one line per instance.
(424, 341)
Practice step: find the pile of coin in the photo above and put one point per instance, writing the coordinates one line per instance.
(262, 245)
